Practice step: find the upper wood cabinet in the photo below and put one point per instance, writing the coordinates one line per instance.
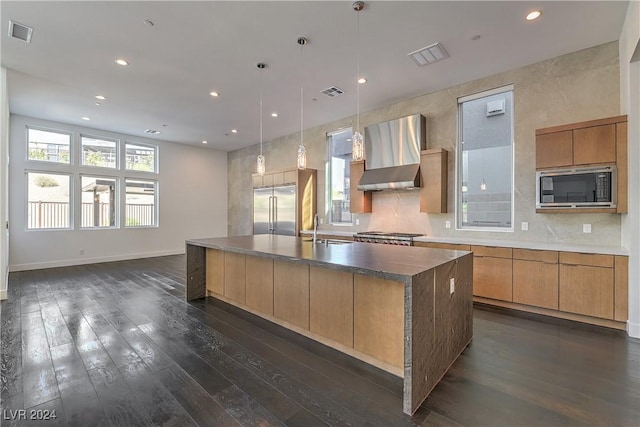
(433, 177)
(577, 144)
(360, 200)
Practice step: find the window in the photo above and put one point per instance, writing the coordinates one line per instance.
(485, 161)
(141, 157)
(98, 201)
(99, 152)
(48, 146)
(48, 200)
(141, 203)
(338, 176)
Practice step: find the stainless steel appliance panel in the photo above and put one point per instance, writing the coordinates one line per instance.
(396, 142)
(262, 210)
(576, 188)
(284, 210)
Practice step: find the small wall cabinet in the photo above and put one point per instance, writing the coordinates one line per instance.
(433, 177)
(361, 201)
(590, 143)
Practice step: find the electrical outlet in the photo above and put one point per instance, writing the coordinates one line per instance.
(357, 221)
(524, 226)
(452, 285)
(586, 228)
(447, 224)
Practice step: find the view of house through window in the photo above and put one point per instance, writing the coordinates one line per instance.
(48, 200)
(338, 176)
(141, 203)
(99, 152)
(48, 146)
(98, 201)
(141, 157)
(485, 161)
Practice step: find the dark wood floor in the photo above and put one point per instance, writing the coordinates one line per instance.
(115, 344)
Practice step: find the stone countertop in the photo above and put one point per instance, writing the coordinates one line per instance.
(520, 244)
(385, 261)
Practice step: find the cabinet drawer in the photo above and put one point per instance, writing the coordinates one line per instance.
(492, 278)
(257, 180)
(587, 290)
(277, 178)
(536, 255)
(492, 251)
(594, 260)
(535, 283)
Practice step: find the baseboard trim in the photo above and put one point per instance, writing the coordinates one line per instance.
(633, 329)
(96, 260)
(3, 294)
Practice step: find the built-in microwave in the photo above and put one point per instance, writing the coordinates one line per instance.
(583, 187)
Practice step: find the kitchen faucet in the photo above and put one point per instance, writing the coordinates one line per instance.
(315, 228)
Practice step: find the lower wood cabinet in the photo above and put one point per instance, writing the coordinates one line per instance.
(535, 278)
(234, 276)
(331, 304)
(291, 293)
(587, 290)
(492, 272)
(259, 288)
(215, 271)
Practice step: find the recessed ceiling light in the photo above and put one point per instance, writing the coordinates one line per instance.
(214, 94)
(98, 104)
(362, 80)
(234, 130)
(86, 118)
(101, 97)
(204, 142)
(148, 23)
(152, 131)
(533, 15)
(274, 114)
(121, 61)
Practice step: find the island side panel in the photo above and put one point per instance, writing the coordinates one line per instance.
(449, 320)
(196, 272)
(215, 271)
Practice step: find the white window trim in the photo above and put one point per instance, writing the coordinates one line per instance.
(26, 200)
(328, 200)
(105, 168)
(116, 201)
(156, 160)
(156, 211)
(52, 130)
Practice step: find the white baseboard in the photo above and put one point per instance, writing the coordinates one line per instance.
(633, 329)
(3, 294)
(82, 261)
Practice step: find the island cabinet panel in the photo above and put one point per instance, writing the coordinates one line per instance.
(331, 304)
(554, 149)
(535, 278)
(493, 272)
(378, 324)
(587, 290)
(596, 144)
(234, 276)
(259, 287)
(291, 293)
(215, 271)
(621, 292)
(196, 272)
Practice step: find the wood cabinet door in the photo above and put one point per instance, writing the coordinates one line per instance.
(492, 278)
(535, 283)
(259, 284)
(596, 144)
(587, 290)
(331, 304)
(554, 149)
(257, 180)
(360, 200)
(215, 271)
(234, 276)
(290, 177)
(433, 174)
(291, 293)
(621, 291)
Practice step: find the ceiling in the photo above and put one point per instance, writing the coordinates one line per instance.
(196, 47)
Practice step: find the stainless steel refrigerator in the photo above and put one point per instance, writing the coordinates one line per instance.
(274, 210)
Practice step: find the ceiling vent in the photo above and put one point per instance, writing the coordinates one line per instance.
(20, 32)
(152, 131)
(333, 91)
(429, 55)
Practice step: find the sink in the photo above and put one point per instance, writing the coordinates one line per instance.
(329, 241)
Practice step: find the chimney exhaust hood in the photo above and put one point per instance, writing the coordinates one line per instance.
(393, 154)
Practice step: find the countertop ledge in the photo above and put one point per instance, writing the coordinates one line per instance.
(549, 246)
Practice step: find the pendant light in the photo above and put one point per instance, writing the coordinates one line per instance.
(260, 164)
(483, 185)
(302, 151)
(357, 145)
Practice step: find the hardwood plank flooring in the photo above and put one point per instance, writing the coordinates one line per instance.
(115, 344)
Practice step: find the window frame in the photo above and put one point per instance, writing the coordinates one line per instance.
(156, 223)
(106, 168)
(50, 130)
(116, 207)
(156, 160)
(71, 199)
(328, 180)
(459, 159)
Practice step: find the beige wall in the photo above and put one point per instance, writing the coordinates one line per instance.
(579, 86)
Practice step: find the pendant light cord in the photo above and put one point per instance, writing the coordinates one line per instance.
(301, 96)
(357, 71)
(261, 111)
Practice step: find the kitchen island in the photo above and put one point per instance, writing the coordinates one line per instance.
(406, 310)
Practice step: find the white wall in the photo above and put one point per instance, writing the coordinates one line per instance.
(630, 104)
(192, 188)
(4, 186)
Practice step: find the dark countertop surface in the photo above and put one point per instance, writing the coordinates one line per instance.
(386, 261)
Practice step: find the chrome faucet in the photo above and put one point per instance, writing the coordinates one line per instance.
(315, 228)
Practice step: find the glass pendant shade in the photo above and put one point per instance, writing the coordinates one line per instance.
(302, 157)
(260, 165)
(357, 147)
(483, 186)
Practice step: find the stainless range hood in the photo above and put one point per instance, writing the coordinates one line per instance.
(393, 154)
